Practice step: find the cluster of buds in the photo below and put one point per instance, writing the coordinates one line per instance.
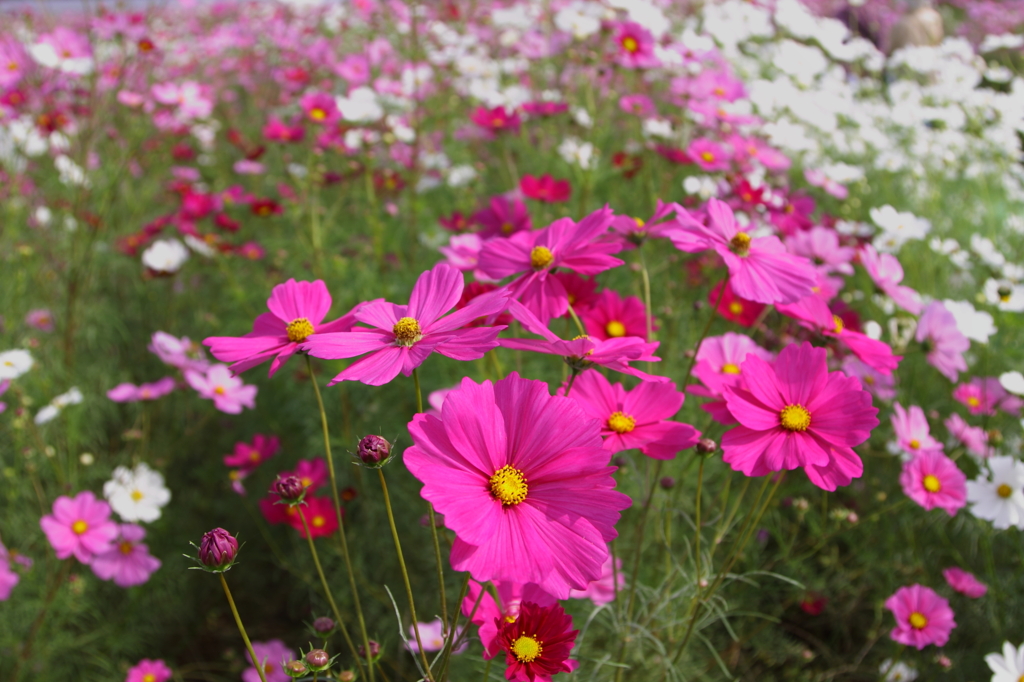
(315, 661)
(218, 551)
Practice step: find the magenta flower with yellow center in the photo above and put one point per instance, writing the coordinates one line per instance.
(79, 526)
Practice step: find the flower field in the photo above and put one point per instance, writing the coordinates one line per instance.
(612, 340)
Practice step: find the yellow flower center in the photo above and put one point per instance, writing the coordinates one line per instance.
(509, 486)
(220, 390)
(540, 257)
(973, 402)
(507, 228)
(707, 156)
(621, 422)
(740, 243)
(795, 418)
(318, 521)
(869, 380)
(317, 114)
(639, 222)
(918, 621)
(735, 308)
(136, 495)
(630, 44)
(149, 677)
(298, 329)
(615, 329)
(254, 456)
(125, 547)
(526, 649)
(306, 481)
(407, 331)
(931, 484)
(80, 526)
(1004, 490)
(838, 328)
(914, 444)
(268, 667)
(729, 368)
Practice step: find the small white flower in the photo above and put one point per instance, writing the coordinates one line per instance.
(72, 397)
(576, 152)
(47, 414)
(974, 324)
(1008, 667)
(987, 251)
(582, 117)
(165, 255)
(200, 246)
(14, 363)
(901, 672)
(137, 494)
(361, 106)
(1012, 382)
(898, 227)
(1009, 297)
(461, 175)
(1001, 499)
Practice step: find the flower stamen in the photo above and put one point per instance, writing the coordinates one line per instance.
(740, 244)
(541, 257)
(509, 486)
(527, 649)
(1004, 490)
(620, 422)
(918, 621)
(795, 418)
(931, 483)
(407, 331)
(298, 329)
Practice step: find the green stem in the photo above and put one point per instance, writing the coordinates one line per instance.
(343, 540)
(579, 325)
(703, 334)
(241, 628)
(405, 574)
(649, 318)
(696, 537)
(487, 670)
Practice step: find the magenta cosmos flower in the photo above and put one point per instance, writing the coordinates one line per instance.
(796, 413)
(965, 583)
(130, 393)
(611, 317)
(522, 480)
(228, 393)
(537, 643)
(974, 438)
(404, 335)
(79, 526)
(128, 562)
(503, 217)
(545, 188)
(297, 310)
(984, 395)
(912, 432)
(272, 656)
(251, 455)
(719, 362)
(944, 344)
(148, 670)
(639, 418)
(636, 46)
(533, 256)
(922, 617)
(760, 269)
(933, 480)
(489, 615)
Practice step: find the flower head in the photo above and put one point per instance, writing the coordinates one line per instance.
(496, 120)
(137, 494)
(432, 635)
(148, 670)
(130, 393)
(218, 550)
(965, 583)
(999, 499)
(14, 363)
(933, 480)
(611, 316)
(80, 526)
(320, 517)
(943, 342)
(228, 393)
(912, 431)
(128, 562)
(922, 617)
(1008, 667)
(885, 270)
(545, 188)
(537, 643)
(503, 217)
(272, 657)
(248, 456)
(374, 450)
(985, 395)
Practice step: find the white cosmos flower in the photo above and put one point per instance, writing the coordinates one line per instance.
(14, 363)
(976, 325)
(137, 494)
(361, 106)
(1009, 297)
(898, 227)
(165, 255)
(1012, 382)
(1001, 499)
(49, 412)
(1008, 667)
(901, 672)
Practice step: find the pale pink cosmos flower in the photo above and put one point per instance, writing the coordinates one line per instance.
(297, 311)
(128, 562)
(640, 105)
(913, 434)
(796, 413)
(760, 269)
(821, 246)
(535, 255)
(320, 108)
(403, 336)
(922, 617)
(463, 253)
(974, 438)
(933, 480)
(611, 317)
(181, 353)
(41, 319)
(985, 395)
(636, 46)
(482, 610)
(882, 386)
(79, 526)
(887, 273)
(944, 344)
(148, 670)
(720, 358)
(602, 590)
(639, 418)
(228, 393)
(13, 62)
(522, 480)
(271, 656)
(965, 583)
(8, 578)
(193, 100)
(130, 393)
(432, 635)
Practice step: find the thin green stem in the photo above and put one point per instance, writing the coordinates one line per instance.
(241, 629)
(327, 591)
(405, 574)
(579, 325)
(487, 670)
(449, 641)
(649, 317)
(342, 539)
(703, 334)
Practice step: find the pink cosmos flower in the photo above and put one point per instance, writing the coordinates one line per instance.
(251, 455)
(40, 319)
(985, 395)
(602, 590)
(748, 149)
(922, 617)
(79, 526)
(639, 418)
(759, 268)
(611, 317)
(463, 253)
(582, 291)
(522, 479)
(128, 562)
(148, 670)
(537, 643)
(503, 217)
(228, 393)
(13, 62)
(819, 178)
(733, 307)
(311, 472)
(880, 385)
(8, 578)
(709, 155)
(320, 515)
(933, 480)
(965, 583)
(482, 610)
(974, 438)
(636, 46)
(821, 246)
(297, 310)
(718, 364)
(912, 432)
(886, 272)
(272, 656)
(798, 414)
(496, 120)
(320, 108)
(943, 342)
(631, 232)
(432, 635)
(354, 68)
(545, 188)
(130, 393)
(403, 336)
(641, 105)
(181, 353)
(277, 130)
(534, 255)
(545, 108)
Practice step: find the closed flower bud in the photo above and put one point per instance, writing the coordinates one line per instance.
(706, 446)
(347, 676)
(296, 669)
(374, 650)
(323, 625)
(667, 482)
(374, 450)
(318, 660)
(218, 549)
(289, 488)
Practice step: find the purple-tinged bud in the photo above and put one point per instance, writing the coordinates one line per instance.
(296, 669)
(706, 446)
(289, 488)
(347, 676)
(318, 659)
(374, 650)
(323, 625)
(218, 549)
(667, 483)
(374, 450)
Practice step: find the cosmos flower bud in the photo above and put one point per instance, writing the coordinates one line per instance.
(667, 483)
(217, 550)
(296, 669)
(289, 488)
(318, 660)
(374, 650)
(347, 676)
(374, 450)
(323, 625)
(706, 446)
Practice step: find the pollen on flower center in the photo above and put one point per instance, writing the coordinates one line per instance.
(795, 418)
(931, 484)
(407, 331)
(615, 329)
(620, 422)
(729, 368)
(973, 402)
(506, 228)
(149, 677)
(526, 649)
(707, 156)
(630, 44)
(79, 527)
(509, 486)
(541, 257)
(740, 244)
(318, 521)
(125, 547)
(220, 390)
(136, 495)
(317, 114)
(298, 329)
(735, 308)
(918, 621)
(914, 444)
(1004, 490)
